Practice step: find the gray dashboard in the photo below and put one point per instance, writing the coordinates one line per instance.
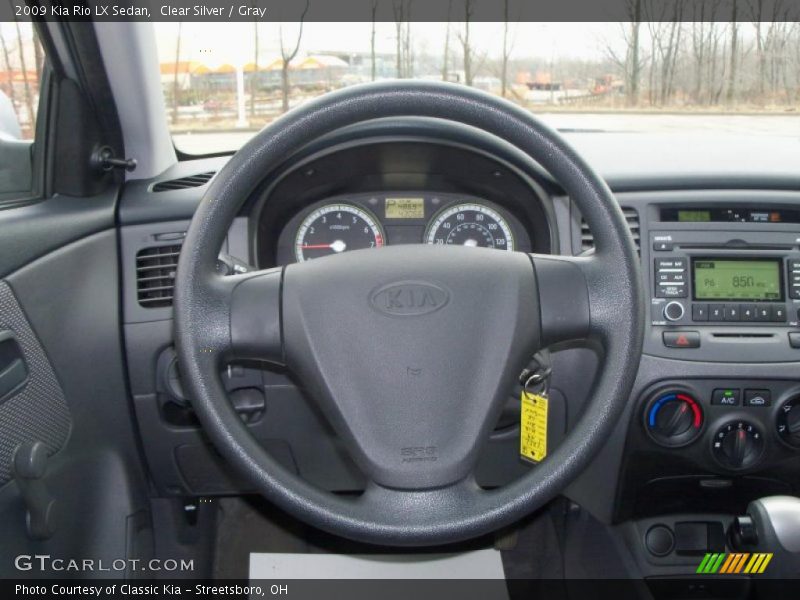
(647, 174)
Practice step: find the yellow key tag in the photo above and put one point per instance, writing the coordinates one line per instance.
(533, 426)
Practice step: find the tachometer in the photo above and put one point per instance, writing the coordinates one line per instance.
(335, 228)
(470, 224)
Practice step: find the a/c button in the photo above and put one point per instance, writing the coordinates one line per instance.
(682, 339)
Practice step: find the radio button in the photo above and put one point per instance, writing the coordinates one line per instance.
(763, 313)
(732, 312)
(663, 246)
(667, 277)
(747, 312)
(671, 290)
(670, 263)
(779, 313)
(699, 312)
(716, 312)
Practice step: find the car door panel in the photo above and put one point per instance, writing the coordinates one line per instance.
(64, 310)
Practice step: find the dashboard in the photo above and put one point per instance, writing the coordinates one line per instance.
(714, 417)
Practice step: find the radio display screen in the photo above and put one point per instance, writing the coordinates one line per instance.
(730, 279)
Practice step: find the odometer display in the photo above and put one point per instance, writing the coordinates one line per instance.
(336, 228)
(471, 225)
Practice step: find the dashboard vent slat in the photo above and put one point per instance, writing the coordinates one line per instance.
(631, 216)
(155, 275)
(183, 183)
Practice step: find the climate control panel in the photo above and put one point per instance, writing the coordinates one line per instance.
(724, 425)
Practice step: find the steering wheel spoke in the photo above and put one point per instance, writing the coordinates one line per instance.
(564, 307)
(255, 316)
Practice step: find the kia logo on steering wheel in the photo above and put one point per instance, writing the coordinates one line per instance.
(409, 298)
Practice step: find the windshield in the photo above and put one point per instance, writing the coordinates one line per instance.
(223, 82)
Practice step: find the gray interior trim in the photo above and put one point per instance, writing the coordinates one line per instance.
(130, 48)
(65, 219)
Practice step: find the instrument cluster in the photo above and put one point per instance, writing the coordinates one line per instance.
(372, 220)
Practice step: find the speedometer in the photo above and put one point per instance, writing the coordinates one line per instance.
(334, 228)
(471, 225)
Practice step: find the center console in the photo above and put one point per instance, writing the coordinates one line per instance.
(714, 423)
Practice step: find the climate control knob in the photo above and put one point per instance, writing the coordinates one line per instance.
(788, 422)
(674, 418)
(673, 311)
(738, 445)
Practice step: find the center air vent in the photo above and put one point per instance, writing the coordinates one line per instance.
(155, 275)
(631, 216)
(184, 182)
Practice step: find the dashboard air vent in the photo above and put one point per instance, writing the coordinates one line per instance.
(587, 239)
(155, 275)
(184, 182)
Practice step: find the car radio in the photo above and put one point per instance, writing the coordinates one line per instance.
(720, 278)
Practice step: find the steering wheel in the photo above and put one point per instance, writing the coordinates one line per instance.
(409, 350)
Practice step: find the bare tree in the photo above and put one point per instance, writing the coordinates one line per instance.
(665, 33)
(631, 63)
(507, 47)
(705, 38)
(772, 33)
(26, 82)
(756, 14)
(446, 54)
(254, 74)
(287, 57)
(466, 46)
(715, 83)
(634, 65)
(175, 81)
(372, 39)
(402, 22)
(734, 42)
(398, 8)
(9, 72)
(408, 48)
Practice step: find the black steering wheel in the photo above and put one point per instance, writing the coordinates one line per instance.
(409, 350)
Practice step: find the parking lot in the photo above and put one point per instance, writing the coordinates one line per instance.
(783, 125)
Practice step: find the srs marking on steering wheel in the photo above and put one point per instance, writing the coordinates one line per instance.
(412, 454)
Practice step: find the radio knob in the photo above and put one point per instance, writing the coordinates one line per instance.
(673, 311)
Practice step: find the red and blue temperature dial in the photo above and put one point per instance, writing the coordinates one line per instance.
(674, 418)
